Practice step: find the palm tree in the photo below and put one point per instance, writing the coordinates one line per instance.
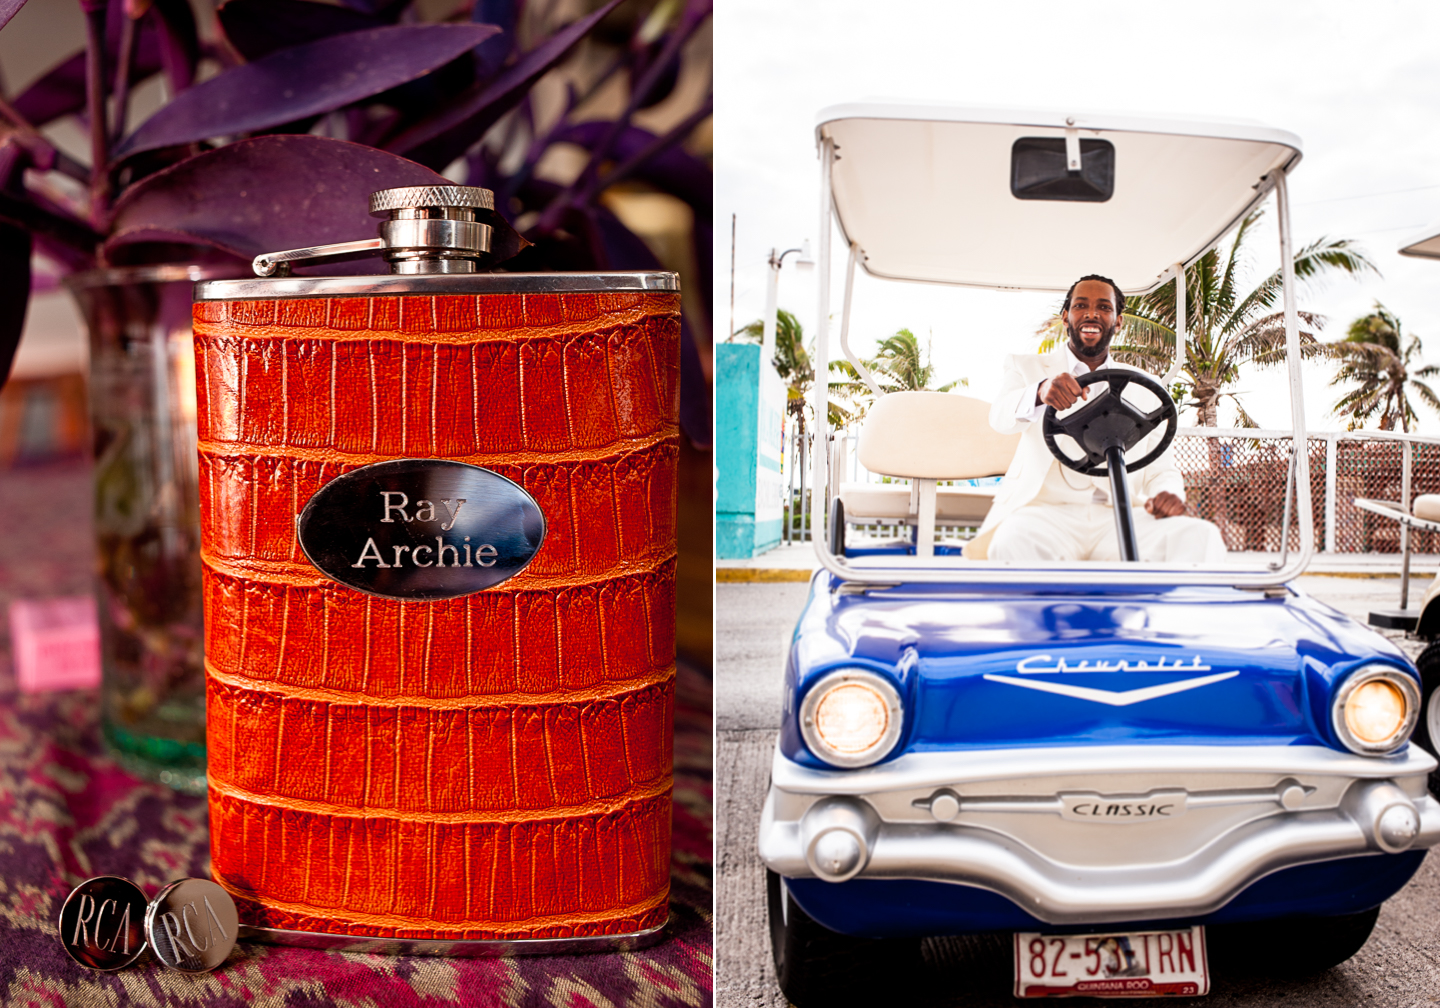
(792, 363)
(1225, 329)
(1379, 362)
(898, 366)
(849, 397)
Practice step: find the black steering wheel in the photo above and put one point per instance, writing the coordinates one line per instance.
(1108, 421)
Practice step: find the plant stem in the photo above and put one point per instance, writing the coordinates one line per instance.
(95, 105)
(123, 62)
(47, 156)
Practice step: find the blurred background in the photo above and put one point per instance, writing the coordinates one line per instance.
(664, 205)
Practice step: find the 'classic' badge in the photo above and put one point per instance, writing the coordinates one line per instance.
(422, 529)
(1091, 807)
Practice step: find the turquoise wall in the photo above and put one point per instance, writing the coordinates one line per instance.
(737, 455)
(737, 387)
(740, 488)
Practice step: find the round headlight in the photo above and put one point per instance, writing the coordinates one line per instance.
(851, 718)
(1375, 710)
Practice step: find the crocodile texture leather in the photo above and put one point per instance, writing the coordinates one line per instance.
(495, 766)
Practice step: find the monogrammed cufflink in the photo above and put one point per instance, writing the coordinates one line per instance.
(102, 923)
(192, 925)
(106, 923)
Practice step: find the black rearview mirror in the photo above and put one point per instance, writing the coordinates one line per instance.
(1038, 171)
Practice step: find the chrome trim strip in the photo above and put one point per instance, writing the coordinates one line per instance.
(972, 574)
(937, 769)
(1056, 805)
(371, 285)
(472, 949)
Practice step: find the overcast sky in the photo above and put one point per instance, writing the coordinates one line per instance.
(1361, 90)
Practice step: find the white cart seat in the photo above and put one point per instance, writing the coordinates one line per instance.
(927, 437)
(953, 505)
(933, 435)
(1426, 506)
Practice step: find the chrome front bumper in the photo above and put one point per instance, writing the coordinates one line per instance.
(1195, 826)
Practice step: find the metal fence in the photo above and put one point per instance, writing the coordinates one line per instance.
(795, 452)
(1236, 479)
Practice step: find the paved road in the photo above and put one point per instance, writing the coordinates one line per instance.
(1398, 968)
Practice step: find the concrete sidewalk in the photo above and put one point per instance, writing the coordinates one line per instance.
(786, 562)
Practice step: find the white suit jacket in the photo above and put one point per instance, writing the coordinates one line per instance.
(1033, 461)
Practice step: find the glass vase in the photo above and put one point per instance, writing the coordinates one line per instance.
(147, 518)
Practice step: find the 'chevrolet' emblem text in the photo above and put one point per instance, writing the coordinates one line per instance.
(1115, 698)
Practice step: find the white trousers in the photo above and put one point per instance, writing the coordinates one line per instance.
(1087, 532)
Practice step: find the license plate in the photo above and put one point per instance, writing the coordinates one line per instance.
(1136, 964)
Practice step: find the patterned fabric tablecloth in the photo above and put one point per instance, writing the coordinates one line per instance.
(68, 812)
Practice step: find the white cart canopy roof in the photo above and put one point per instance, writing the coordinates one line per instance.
(1425, 245)
(926, 192)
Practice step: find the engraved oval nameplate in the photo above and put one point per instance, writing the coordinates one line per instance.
(422, 529)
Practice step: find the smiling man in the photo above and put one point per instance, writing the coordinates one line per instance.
(1044, 511)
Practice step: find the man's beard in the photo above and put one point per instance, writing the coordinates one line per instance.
(1077, 345)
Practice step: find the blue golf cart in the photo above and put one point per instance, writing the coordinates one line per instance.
(1123, 767)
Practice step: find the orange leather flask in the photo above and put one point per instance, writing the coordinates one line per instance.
(438, 538)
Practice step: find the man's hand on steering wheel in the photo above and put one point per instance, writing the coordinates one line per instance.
(1109, 422)
(1165, 505)
(1062, 392)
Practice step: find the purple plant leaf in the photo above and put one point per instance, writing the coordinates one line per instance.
(641, 59)
(447, 134)
(61, 90)
(491, 54)
(242, 200)
(303, 80)
(8, 9)
(72, 240)
(65, 238)
(257, 28)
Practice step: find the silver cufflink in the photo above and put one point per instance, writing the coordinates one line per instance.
(106, 923)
